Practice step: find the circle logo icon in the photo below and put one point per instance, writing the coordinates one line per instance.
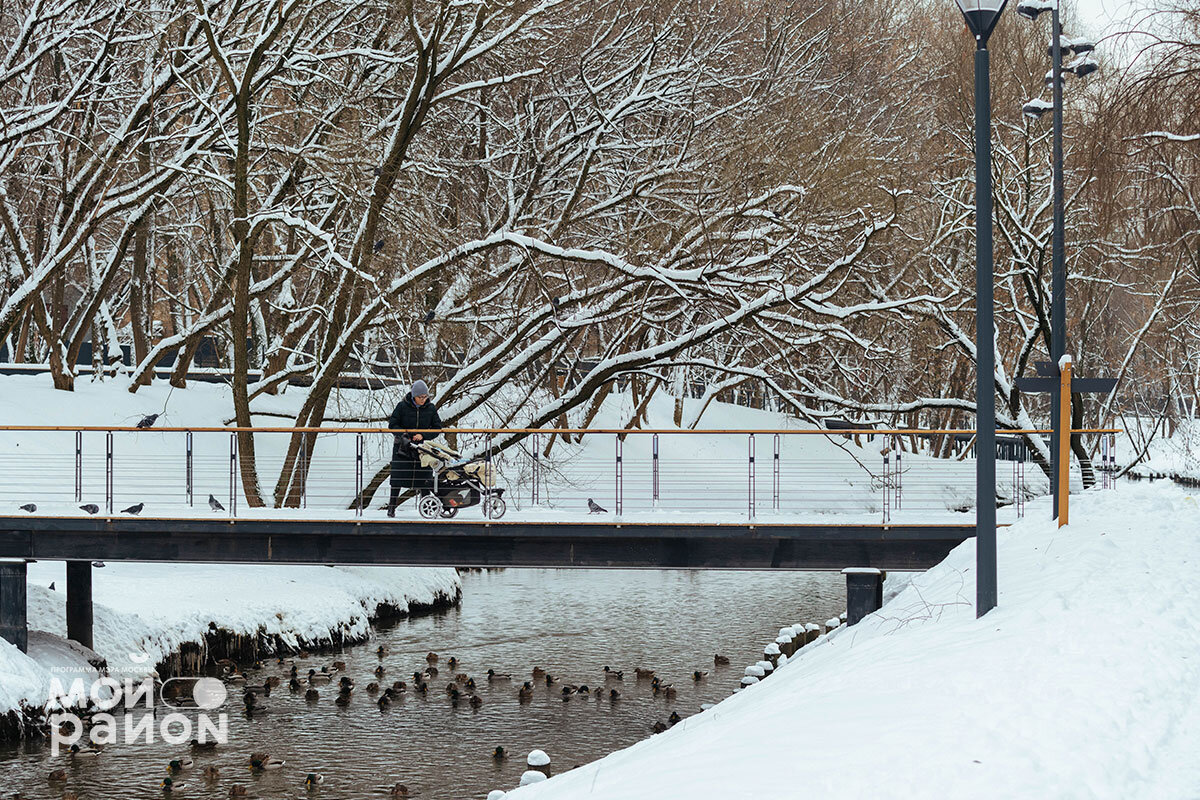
(209, 693)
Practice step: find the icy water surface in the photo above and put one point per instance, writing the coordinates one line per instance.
(569, 622)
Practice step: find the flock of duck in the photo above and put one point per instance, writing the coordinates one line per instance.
(460, 688)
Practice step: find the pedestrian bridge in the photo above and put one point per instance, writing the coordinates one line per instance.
(732, 499)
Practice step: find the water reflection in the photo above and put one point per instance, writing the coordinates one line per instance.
(570, 623)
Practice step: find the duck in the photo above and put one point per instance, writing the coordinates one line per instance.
(317, 678)
(421, 688)
(178, 764)
(498, 754)
(669, 692)
(381, 651)
(211, 772)
(265, 762)
(471, 684)
(237, 790)
(476, 701)
(379, 671)
(494, 676)
(674, 718)
(266, 688)
(227, 664)
(338, 666)
(57, 775)
(273, 681)
(171, 785)
(206, 745)
(284, 661)
(538, 673)
(293, 671)
(699, 674)
(312, 695)
(418, 677)
(346, 683)
(720, 660)
(236, 678)
(525, 692)
(89, 751)
(658, 727)
(550, 679)
(431, 672)
(431, 658)
(257, 664)
(583, 689)
(615, 674)
(294, 685)
(384, 701)
(399, 686)
(567, 691)
(372, 688)
(643, 674)
(598, 692)
(399, 791)
(613, 694)
(343, 699)
(314, 779)
(461, 677)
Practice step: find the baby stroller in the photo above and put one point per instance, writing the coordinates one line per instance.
(457, 483)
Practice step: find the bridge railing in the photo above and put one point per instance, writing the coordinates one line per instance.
(862, 475)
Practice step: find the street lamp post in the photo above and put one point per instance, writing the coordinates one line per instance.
(1081, 66)
(981, 17)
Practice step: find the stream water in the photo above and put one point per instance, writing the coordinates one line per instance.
(569, 622)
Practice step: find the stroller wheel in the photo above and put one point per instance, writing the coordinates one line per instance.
(429, 506)
(494, 507)
(449, 513)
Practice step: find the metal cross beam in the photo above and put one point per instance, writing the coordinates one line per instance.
(1061, 385)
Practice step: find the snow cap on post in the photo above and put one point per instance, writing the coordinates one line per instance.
(532, 776)
(537, 758)
(981, 17)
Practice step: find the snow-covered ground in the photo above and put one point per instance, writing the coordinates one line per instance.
(1083, 682)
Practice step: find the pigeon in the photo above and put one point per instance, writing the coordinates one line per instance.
(52, 586)
(135, 510)
(90, 508)
(147, 420)
(98, 564)
(215, 504)
(594, 507)
(30, 507)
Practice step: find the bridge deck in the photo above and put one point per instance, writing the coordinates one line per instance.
(482, 543)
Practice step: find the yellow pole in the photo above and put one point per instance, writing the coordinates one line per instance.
(1064, 441)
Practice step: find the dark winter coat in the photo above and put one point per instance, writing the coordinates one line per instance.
(408, 416)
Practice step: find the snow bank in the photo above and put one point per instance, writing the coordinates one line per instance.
(1055, 693)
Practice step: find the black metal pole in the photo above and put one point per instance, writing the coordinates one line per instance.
(985, 369)
(1058, 274)
(79, 602)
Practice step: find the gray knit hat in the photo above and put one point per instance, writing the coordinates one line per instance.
(419, 388)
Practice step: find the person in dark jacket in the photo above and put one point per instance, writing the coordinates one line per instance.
(415, 420)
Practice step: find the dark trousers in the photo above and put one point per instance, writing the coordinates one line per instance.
(407, 473)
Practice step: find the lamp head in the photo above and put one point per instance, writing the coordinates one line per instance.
(1030, 9)
(981, 17)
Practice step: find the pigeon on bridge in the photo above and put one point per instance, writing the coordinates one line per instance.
(147, 420)
(135, 510)
(594, 507)
(215, 504)
(30, 507)
(90, 508)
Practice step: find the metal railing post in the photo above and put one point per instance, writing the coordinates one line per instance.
(750, 477)
(775, 477)
(533, 495)
(358, 472)
(233, 448)
(620, 477)
(108, 471)
(189, 478)
(887, 481)
(898, 491)
(488, 471)
(654, 469)
(78, 466)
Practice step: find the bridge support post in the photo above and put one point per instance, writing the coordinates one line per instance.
(14, 616)
(79, 602)
(864, 592)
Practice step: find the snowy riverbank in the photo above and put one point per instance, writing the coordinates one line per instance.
(1084, 682)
